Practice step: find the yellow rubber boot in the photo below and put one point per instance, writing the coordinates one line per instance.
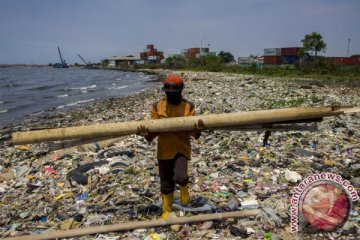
(167, 201)
(184, 195)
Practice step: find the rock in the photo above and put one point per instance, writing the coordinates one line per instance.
(291, 176)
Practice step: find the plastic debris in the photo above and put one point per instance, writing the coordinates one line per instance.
(292, 176)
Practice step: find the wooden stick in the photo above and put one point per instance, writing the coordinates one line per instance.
(141, 224)
(174, 124)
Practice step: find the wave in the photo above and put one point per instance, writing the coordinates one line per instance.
(84, 88)
(76, 103)
(3, 111)
(10, 85)
(116, 88)
(62, 95)
(41, 87)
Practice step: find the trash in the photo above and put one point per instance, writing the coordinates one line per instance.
(270, 213)
(77, 174)
(50, 170)
(103, 170)
(153, 236)
(241, 194)
(232, 205)
(268, 236)
(7, 176)
(250, 204)
(175, 227)
(43, 219)
(206, 225)
(355, 167)
(238, 231)
(69, 224)
(204, 208)
(82, 197)
(291, 176)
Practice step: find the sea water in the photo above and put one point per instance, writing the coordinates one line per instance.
(25, 91)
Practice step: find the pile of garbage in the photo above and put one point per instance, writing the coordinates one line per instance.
(43, 189)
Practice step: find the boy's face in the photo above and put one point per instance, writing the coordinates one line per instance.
(174, 97)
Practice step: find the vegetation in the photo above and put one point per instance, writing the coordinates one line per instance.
(314, 43)
(226, 56)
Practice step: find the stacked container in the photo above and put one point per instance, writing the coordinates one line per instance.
(194, 52)
(151, 54)
(272, 56)
(281, 55)
(289, 55)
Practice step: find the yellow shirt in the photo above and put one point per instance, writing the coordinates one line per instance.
(172, 143)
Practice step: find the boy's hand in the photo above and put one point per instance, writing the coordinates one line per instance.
(142, 131)
(200, 125)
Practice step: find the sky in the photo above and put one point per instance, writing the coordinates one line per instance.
(30, 31)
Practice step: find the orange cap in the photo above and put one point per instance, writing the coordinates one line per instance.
(173, 83)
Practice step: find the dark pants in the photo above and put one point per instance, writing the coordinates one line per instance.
(173, 171)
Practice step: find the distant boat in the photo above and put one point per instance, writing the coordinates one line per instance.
(62, 64)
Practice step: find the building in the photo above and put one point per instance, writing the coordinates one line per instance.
(151, 55)
(119, 61)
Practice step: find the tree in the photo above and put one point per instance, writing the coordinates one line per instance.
(226, 56)
(314, 42)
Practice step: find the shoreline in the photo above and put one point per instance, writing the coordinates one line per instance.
(223, 163)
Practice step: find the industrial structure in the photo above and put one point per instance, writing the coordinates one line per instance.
(151, 55)
(63, 63)
(88, 65)
(120, 61)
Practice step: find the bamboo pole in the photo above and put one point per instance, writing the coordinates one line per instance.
(212, 121)
(140, 224)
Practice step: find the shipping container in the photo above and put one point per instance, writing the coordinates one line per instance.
(210, 54)
(272, 60)
(194, 50)
(272, 52)
(292, 51)
(288, 59)
(350, 61)
(153, 57)
(343, 60)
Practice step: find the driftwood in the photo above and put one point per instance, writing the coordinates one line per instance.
(141, 224)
